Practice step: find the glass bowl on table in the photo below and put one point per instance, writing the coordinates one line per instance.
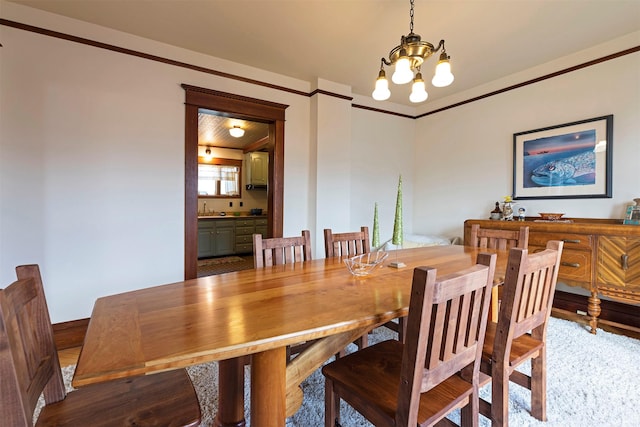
(363, 265)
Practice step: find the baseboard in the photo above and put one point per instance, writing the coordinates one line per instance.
(611, 311)
(70, 334)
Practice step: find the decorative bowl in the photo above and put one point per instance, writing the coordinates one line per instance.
(550, 216)
(363, 265)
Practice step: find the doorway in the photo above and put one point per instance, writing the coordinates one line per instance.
(241, 108)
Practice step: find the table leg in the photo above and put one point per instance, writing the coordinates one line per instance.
(593, 309)
(231, 393)
(268, 397)
(494, 307)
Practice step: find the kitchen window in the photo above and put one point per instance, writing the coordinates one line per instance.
(219, 178)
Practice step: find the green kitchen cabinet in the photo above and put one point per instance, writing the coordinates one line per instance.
(206, 241)
(225, 237)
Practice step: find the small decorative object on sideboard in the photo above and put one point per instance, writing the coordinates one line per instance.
(547, 216)
(507, 209)
(496, 213)
(633, 213)
(521, 214)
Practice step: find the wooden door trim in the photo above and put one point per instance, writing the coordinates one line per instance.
(240, 107)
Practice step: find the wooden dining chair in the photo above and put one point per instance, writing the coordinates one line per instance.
(498, 239)
(281, 250)
(521, 332)
(349, 244)
(29, 366)
(436, 370)
(346, 244)
(501, 240)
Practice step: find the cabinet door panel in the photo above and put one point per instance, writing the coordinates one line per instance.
(619, 261)
(205, 242)
(225, 241)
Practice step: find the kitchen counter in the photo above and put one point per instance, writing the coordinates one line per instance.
(231, 215)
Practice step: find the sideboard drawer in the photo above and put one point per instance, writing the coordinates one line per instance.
(571, 241)
(574, 265)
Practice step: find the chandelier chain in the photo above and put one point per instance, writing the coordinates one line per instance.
(411, 16)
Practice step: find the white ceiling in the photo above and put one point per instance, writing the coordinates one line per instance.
(343, 40)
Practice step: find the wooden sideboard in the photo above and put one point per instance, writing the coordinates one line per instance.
(600, 255)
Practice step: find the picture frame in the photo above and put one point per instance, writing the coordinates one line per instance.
(567, 161)
(633, 215)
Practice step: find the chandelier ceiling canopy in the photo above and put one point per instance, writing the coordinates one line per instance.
(408, 58)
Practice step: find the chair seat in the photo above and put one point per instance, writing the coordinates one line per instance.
(375, 371)
(163, 399)
(522, 348)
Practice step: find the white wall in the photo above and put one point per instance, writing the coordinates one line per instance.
(92, 159)
(381, 151)
(464, 156)
(92, 163)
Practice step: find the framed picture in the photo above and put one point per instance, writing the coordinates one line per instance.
(569, 161)
(633, 215)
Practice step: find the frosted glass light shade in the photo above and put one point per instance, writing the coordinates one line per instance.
(418, 91)
(443, 76)
(381, 91)
(403, 73)
(236, 131)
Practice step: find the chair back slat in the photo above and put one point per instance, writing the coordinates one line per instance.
(29, 362)
(346, 244)
(445, 330)
(527, 297)
(498, 239)
(281, 250)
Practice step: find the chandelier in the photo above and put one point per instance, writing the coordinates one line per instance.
(408, 58)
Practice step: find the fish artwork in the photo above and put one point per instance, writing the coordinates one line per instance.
(575, 170)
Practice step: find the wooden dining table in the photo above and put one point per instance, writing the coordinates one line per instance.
(257, 312)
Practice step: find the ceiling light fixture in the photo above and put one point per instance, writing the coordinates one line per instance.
(408, 58)
(207, 154)
(236, 131)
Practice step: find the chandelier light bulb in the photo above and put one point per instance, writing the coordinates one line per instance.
(418, 91)
(381, 91)
(443, 76)
(403, 73)
(236, 131)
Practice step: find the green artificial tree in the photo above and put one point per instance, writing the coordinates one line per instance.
(375, 242)
(397, 238)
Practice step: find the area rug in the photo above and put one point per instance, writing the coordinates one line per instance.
(593, 380)
(217, 261)
(213, 266)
